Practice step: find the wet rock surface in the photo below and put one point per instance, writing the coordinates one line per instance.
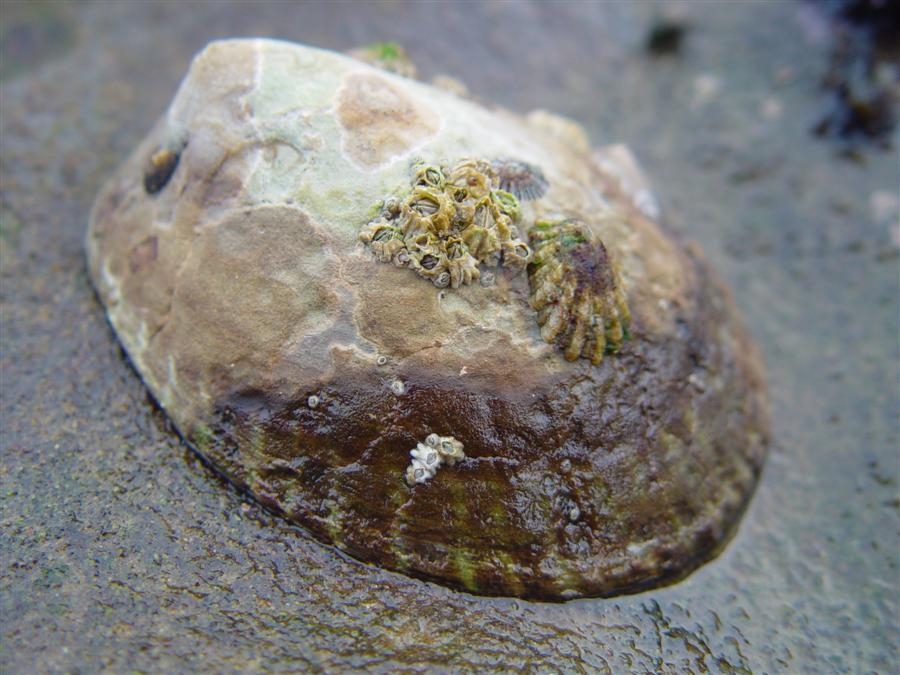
(121, 552)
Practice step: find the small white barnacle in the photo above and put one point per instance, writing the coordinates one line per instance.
(398, 387)
(381, 360)
(425, 454)
(429, 456)
(442, 280)
(417, 472)
(451, 450)
(313, 402)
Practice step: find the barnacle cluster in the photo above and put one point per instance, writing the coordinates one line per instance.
(451, 221)
(429, 456)
(576, 291)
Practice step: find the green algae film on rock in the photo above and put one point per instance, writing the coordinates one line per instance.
(448, 340)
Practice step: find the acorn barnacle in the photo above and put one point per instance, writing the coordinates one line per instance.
(475, 178)
(385, 240)
(521, 179)
(576, 291)
(430, 176)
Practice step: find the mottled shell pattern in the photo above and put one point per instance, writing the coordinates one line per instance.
(453, 220)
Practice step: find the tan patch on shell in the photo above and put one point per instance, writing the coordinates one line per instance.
(380, 121)
(143, 255)
(576, 291)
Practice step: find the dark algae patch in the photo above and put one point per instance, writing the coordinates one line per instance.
(863, 77)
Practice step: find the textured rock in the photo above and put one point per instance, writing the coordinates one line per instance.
(227, 253)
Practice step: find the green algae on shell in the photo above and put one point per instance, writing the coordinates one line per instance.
(306, 369)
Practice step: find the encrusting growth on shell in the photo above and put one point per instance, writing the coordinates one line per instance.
(576, 291)
(429, 456)
(295, 366)
(521, 179)
(451, 221)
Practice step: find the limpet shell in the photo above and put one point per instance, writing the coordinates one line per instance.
(306, 369)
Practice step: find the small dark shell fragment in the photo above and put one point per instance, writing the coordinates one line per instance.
(159, 169)
(521, 179)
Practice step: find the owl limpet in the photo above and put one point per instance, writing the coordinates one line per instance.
(577, 291)
(534, 391)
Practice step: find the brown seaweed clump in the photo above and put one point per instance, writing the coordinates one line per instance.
(451, 222)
